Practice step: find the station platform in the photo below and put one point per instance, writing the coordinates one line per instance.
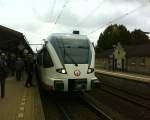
(20, 103)
(131, 76)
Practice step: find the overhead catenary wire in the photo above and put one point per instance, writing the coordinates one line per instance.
(91, 13)
(52, 9)
(120, 17)
(60, 14)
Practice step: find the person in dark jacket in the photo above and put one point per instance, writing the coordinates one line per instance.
(19, 65)
(12, 60)
(29, 70)
(3, 74)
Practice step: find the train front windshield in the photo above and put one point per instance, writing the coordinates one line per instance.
(73, 51)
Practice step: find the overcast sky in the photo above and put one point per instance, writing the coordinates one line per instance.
(36, 18)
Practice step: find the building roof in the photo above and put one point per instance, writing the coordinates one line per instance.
(11, 39)
(105, 53)
(137, 50)
(131, 51)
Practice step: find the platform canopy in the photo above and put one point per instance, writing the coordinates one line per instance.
(13, 41)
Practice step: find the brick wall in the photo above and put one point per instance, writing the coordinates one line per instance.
(139, 65)
(102, 63)
(134, 64)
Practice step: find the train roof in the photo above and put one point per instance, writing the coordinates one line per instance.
(67, 36)
(55, 36)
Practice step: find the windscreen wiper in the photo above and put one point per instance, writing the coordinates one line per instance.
(65, 52)
(84, 47)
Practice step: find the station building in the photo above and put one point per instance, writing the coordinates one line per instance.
(125, 58)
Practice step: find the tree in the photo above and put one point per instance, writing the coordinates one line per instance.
(139, 37)
(112, 35)
(119, 33)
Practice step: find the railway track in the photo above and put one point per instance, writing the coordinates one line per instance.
(72, 108)
(66, 116)
(119, 108)
(87, 99)
(86, 104)
(120, 90)
(138, 100)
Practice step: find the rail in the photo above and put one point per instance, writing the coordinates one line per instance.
(140, 101)
(87, 99)
(63, 111)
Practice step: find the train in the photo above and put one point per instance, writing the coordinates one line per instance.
(66, 63)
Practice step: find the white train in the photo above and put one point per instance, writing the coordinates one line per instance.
(66, 63)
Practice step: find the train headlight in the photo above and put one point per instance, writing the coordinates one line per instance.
(90, 70)
(61, 70)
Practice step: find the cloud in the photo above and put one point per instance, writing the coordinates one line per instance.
(1, 3)
(36, 18)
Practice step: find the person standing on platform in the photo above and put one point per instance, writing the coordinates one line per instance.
(3, 73)
(12, 60)
(29, 70)
(19, 65)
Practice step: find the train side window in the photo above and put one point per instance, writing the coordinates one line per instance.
(39, 59)
(47, 60)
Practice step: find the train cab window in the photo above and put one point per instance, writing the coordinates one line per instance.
(47, 61)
